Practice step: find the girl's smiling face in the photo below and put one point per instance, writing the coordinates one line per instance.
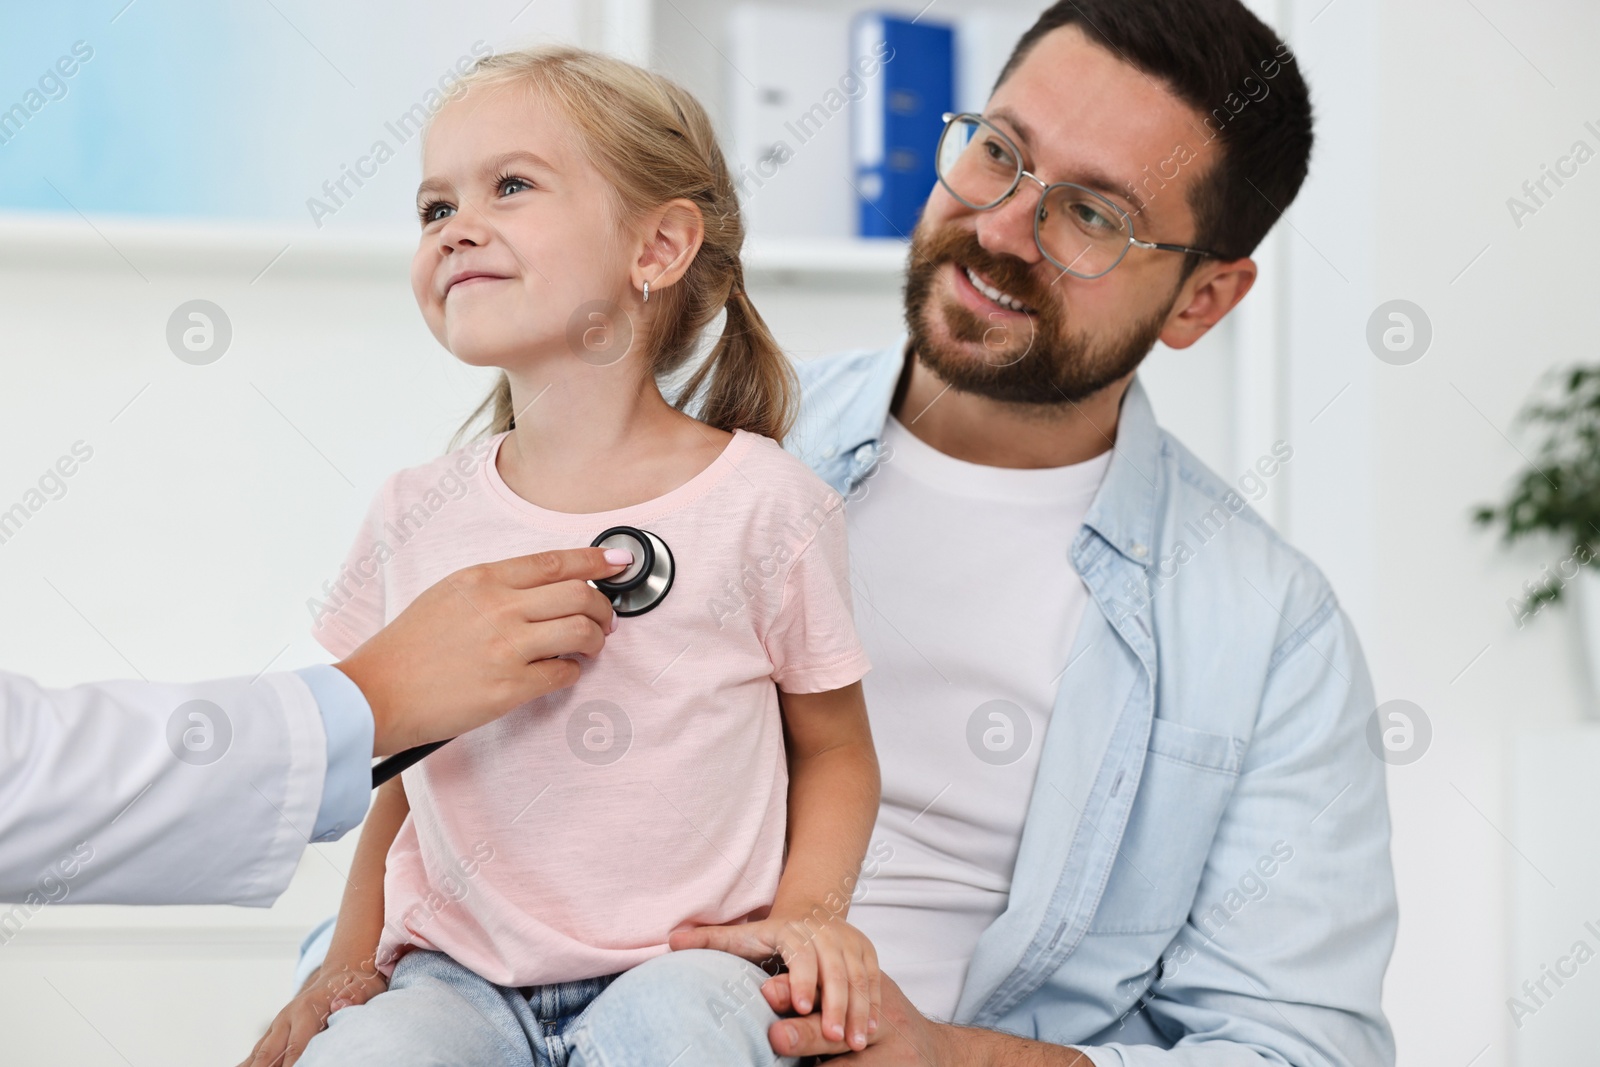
(518, 230)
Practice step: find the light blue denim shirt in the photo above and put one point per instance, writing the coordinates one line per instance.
(1204, 874)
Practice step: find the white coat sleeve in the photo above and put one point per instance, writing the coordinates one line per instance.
(147, 793)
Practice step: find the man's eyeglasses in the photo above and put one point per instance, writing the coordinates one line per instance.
(1076, 228)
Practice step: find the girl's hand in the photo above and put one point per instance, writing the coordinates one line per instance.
(331, 988)
(832, 954)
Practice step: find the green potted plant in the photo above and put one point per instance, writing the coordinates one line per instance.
(1559, 498)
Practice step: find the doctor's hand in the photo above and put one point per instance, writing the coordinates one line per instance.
(331, 989)
(481, 642)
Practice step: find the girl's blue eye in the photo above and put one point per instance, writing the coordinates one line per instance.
(505, 185)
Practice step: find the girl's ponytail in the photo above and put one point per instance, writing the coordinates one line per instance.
(746, 383)
(494, 413)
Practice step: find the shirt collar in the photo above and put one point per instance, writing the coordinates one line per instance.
(1123, 511)
(863, 422)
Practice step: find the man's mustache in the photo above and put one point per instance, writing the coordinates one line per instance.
(1007, 273)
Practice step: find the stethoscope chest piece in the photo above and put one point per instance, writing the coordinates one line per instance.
(647, 580)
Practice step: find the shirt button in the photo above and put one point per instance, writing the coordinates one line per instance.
(830, 453)
(864, 455)
(1139, 550)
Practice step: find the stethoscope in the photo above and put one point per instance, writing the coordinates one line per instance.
(641, 587)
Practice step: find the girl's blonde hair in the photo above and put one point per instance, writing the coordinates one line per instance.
(654, 143)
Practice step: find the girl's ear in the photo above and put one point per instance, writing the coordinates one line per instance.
(672, 235)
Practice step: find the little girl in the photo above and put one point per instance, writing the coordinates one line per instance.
(712, 766)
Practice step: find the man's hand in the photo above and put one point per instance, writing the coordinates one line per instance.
(904, 1036)
(482, 642)
(907, 1038)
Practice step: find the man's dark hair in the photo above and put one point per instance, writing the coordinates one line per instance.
(1220, 59)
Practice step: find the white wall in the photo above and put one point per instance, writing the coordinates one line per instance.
(1430, 115)
(1469, 100)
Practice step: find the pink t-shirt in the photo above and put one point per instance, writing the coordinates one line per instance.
(569, 838)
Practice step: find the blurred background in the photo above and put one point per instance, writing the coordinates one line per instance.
(1428, 280)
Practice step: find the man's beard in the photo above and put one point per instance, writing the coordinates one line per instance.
(1035, 361)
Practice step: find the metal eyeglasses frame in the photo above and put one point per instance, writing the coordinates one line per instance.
(1045, 188)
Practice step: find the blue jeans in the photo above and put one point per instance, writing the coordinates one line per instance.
(695, 1008)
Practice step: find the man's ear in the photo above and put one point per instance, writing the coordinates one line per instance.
(1213, 290)
(671, 237)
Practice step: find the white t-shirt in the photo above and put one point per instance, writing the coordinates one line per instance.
(967, 602)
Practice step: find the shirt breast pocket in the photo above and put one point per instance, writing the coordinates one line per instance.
(1189, 775)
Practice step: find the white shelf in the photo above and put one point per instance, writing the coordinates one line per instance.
(237, 249)
(188, 246)
(827, 257)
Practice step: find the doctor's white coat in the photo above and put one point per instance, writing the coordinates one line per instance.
(147, 793)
